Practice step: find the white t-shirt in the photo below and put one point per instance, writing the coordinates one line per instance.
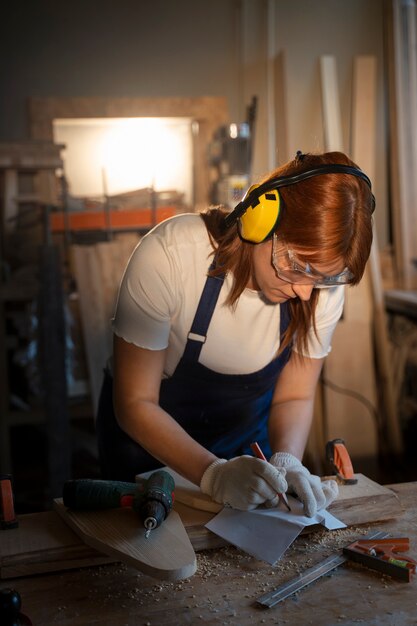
(160, 291)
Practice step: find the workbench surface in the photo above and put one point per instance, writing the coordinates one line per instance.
(226, 585)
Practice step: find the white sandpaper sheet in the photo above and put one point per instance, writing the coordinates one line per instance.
(267, 533)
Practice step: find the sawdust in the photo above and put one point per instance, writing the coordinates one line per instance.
(225, 574)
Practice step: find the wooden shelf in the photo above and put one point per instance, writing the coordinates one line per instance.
(113, 220)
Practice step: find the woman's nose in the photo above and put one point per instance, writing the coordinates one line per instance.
(302, 291)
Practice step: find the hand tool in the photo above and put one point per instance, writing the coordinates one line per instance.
(383, 556)
(256, 449)
(7, 515)
(375, 539)
(339, 459)
(152, 499)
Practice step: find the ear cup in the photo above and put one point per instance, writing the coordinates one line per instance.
(261, 217)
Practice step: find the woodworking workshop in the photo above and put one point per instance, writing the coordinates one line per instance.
(208, 313)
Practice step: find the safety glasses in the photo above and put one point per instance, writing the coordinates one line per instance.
(292, 270)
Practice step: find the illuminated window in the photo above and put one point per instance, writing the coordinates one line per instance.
(106, 156)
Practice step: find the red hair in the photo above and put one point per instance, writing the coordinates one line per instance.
(329, 216)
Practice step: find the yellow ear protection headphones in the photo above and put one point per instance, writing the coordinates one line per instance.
(259, 212)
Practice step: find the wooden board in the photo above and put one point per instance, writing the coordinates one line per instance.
(365, 502)
(167, 553)
(98, 270)
(402, 93)
(45, 543)
(189, 494)
(364, 112)
(332, 126)
(350, 364)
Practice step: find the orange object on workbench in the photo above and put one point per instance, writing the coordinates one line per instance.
(7, 515)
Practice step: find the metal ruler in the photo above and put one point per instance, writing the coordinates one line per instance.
(272, 598)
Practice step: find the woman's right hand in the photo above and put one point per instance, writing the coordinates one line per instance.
(243, 482)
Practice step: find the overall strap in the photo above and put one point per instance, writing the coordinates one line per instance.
(198, 332)
(285, 316)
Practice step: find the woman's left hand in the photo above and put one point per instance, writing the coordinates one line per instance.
(313, 493)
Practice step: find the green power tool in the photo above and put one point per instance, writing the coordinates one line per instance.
(151, 498)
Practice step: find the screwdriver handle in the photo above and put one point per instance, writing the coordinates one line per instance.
(85, 494)
(152, 499)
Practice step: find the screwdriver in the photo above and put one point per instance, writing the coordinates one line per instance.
(151, 499)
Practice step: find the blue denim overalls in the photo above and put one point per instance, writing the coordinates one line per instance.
(223, 412)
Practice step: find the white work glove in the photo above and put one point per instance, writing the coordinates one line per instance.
(243, 482)
(313, 493)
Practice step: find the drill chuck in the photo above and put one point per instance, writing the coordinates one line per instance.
(157, 500)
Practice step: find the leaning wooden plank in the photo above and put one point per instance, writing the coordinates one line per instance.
(332, 124)
(363, 153)
(402, 79)
(98, 271)
(166, 554)
(350, 365)
(93, 315)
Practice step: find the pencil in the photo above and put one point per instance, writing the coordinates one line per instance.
(260, 455)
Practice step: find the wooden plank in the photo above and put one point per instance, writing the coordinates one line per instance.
(98, 270)
(45, 543)
(52, 359)
(402, 75)
(95, 324)
(331, 104)
(10, 205)
(350, 364)
(365, 502)
(5, 440)
(364, 154)
(33, 155)
(167, 553)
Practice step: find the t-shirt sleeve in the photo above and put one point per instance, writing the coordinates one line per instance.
(328, 312)
(146, 299)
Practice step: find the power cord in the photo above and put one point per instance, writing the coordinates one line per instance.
(366, 403)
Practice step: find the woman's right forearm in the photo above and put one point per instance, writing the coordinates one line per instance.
(156, 431)
(137, 379)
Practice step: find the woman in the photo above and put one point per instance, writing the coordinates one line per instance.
(221, 329)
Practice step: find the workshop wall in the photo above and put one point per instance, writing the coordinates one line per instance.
(109, 48)
(229, 48)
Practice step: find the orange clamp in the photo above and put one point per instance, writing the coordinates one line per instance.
(339, 458)
(7, 515)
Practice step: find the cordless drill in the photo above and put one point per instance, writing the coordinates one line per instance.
(152, 499)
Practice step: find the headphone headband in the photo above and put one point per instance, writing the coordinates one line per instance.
(251, 199)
